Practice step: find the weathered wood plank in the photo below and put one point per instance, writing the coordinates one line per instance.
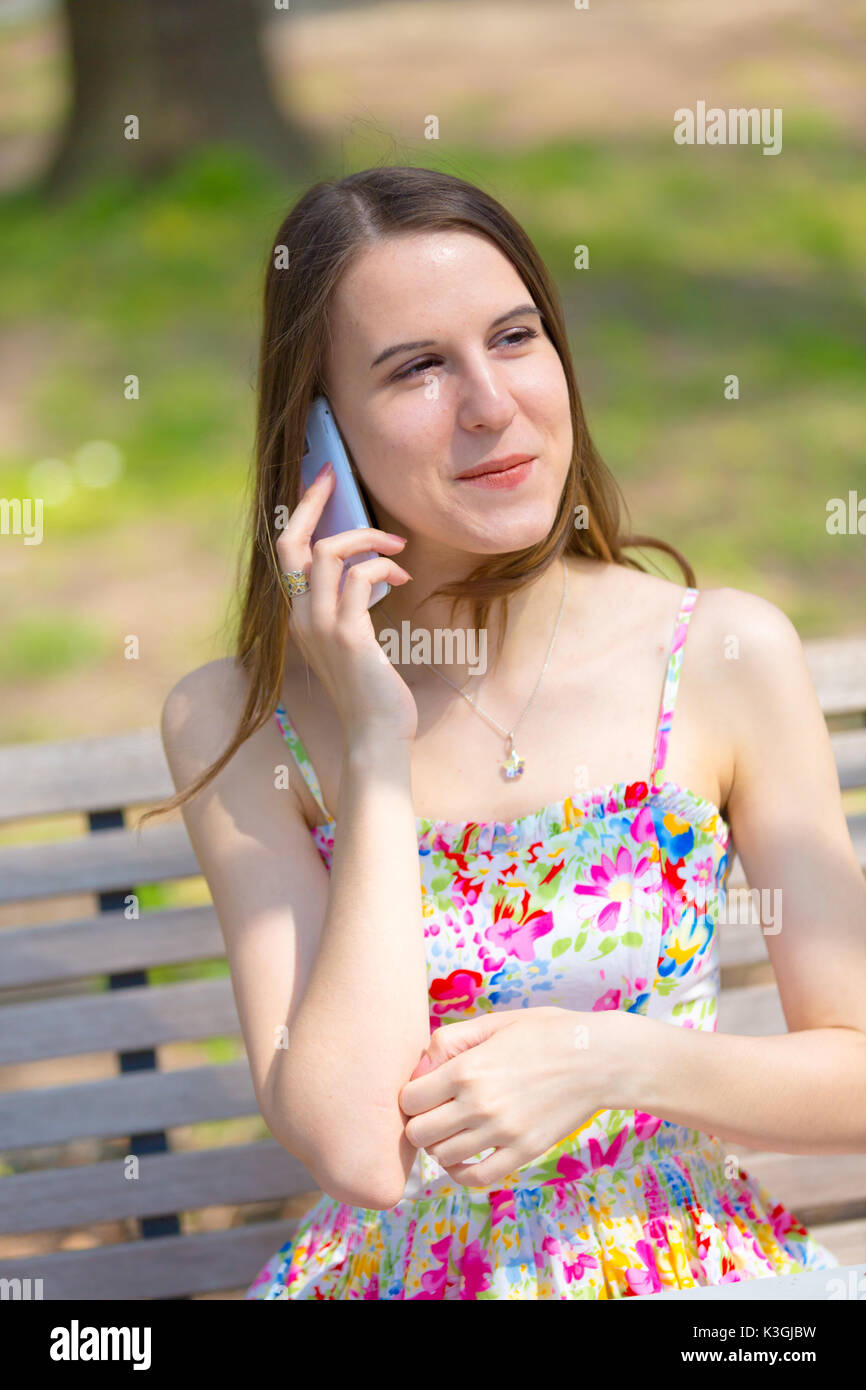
(214, 1261)
(116, 859)
(166, 1267)
(838, 669)
(753, 1010)
(100, 863)
(83, 774)
(108, 943)
(130, 769)
(844, 1239)
(135, 1103)
(849, 750)
(817, 1188)
(117, 1020)
(80, 1196)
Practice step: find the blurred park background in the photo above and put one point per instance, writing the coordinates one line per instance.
(149, 259)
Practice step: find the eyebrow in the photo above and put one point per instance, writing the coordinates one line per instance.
(431, 342)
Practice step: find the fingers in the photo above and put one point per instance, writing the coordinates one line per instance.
(359, 581)
(294, 545)
(322, 562)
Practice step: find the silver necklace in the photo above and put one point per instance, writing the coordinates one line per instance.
(513, 765)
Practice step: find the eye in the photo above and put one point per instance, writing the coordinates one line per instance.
(518, 336)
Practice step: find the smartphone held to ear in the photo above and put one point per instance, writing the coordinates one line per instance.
(344, 509)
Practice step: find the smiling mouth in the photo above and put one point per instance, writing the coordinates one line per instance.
(503, 478)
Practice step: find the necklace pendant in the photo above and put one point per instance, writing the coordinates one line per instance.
(513, 765)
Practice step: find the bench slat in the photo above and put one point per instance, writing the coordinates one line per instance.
(115, 859)
(59, 1197)
(100, 863)
(123, 1020)
(223, 1261)
(135, 1103)
(83, 774)
(164, 1267)
(844, 1239)
(837, 666)
(752, 1010)
(130, 769)
(109, 944)
(130, 1019)
(849, 750)
(817, 1188)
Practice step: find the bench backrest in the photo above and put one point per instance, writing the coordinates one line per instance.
(99, 1144)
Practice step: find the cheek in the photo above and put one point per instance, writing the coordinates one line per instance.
(542, 392)
(411, 441)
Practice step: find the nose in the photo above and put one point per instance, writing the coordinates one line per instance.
(485, 401)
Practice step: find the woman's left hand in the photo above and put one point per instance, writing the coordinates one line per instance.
(519, 1080)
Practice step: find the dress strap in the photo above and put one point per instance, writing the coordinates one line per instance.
(671, 686)
(299, 752)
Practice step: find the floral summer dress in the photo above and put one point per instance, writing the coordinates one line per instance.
(605, 900)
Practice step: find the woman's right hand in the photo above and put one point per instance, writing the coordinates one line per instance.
(334, 631)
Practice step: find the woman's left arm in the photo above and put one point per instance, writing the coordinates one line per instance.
(803, 1091)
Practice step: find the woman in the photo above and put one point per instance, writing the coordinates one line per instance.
(540, 865)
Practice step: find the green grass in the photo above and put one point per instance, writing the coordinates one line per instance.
(702, 263)
(45, 644)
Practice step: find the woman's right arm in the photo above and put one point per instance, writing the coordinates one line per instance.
(338, 962)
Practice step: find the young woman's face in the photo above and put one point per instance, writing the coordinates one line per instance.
(487, 383)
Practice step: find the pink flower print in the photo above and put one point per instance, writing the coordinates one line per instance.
(517, 936)
(475, 1269)
(608, 1000)
(490, 963)
(657, 1229)
(784, 1223)
(569, 1168)
(502, 1206)
(617, 883)
(575, 1269)
(457, 992)
(643, 1281)
(734, 1236)
(643, 827)
(466, 889)
(372, 1289)
(703, 878)
(264, 1276)
(602, 1159)
(645, 1126)
(433, 1280)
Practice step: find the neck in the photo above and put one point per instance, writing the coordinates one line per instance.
(532, 615)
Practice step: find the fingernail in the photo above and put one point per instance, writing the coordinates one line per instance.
(395, 537)
(325, 469)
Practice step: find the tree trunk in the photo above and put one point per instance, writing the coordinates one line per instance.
(191, 72)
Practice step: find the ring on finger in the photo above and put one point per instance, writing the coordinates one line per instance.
(295, 582)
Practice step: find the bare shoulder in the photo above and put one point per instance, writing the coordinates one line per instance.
(201, 713)
(753, 676)
(746, 636)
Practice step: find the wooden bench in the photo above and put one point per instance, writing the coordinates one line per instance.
(74, 992)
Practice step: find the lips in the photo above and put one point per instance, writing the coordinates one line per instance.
(495, 465)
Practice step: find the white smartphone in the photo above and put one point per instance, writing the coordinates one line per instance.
(345, 509)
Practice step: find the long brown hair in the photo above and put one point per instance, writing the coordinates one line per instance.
(323, 233)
